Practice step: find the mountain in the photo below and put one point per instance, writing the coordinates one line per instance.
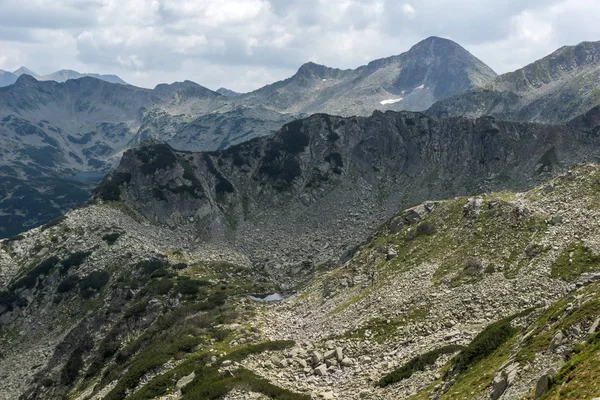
(353, 172)
(59, 139)
(190, 117)
(144, 291)
(25, 71)
(65, 74)
(228, 93)
(556, 88)
(7, 78)
(431, 70)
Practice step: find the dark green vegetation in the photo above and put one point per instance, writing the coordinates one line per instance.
(280, 162)
(155, 157)
(53, 223)
(575, 260)
(110, 187)
(209, 384)
(484, 344)
(146, 334)
(418, 363)
(30, 279)
(111, 238)
(74, 260)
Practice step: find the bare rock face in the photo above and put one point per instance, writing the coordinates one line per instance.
(285, 199)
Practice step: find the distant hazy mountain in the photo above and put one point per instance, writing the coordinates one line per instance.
(228, 93)
(556, 88)
(25, 71)
(65, 74)
(433, 69)
(7, 78)
(58, 138)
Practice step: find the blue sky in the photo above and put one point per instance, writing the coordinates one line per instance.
(245, 44)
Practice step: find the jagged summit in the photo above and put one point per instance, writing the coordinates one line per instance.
(431, 70)
(25, 71)
(555, 88)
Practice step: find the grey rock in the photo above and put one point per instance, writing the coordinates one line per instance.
(186, 380)
(556, 341)
(321, 370)
(543, 384)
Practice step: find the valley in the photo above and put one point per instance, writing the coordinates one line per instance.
(416, 228)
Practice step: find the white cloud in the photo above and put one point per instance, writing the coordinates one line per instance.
(243, 44)
(408, 9)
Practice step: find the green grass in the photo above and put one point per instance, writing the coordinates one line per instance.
(579, 378)
(575, 260)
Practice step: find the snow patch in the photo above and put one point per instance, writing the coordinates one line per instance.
(390, 101)
(422, 86)
(324, 80)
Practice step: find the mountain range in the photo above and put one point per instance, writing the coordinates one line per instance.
(78, 129)
(254, 246)
(553, 89)
(9, 78)
(399, 288)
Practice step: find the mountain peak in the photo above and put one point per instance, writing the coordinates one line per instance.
(25, 71)
(227, 92)
(26, 80)
(436, 46)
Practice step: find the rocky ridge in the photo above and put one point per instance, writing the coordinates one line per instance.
(431, 70)
(269, 197)
(554, 89)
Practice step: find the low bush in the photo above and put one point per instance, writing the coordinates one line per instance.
(484, 344)
(68, 284)
(179, 266)
(473, 267)
(147, 267)
(418, 363)
(111, 238)
(74, 260)
(53, 223)
(160, 287)
(30, 279)
(423, 229)
(188, 287)
(93, 283)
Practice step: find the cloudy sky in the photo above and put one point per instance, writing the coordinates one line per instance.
(245, 44)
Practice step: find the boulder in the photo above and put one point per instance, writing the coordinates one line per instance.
(391, 254)
(499, 385)
(185, 380)
(543, 384)
(556, 341)
(594, 326)
(316, 358)
(339, 354)
(347, 362)
(329, 354)
(321, 370)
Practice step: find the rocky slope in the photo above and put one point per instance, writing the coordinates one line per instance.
(498, 294)
(284, 199)
(431, 70)
(556, 88)
(58, 138)
(7, 78)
